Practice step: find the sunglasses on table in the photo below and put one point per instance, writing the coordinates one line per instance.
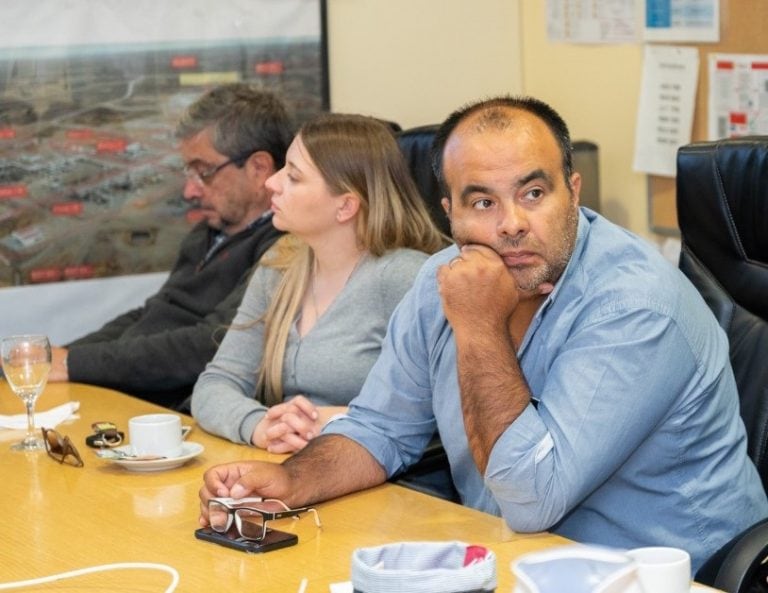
(250, 515)
(61, 448)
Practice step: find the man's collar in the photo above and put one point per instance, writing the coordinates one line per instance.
(256, 223)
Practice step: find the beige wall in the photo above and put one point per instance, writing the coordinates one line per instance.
(595, 88)
(414, 61)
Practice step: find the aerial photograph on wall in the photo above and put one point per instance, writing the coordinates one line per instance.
(90, 177)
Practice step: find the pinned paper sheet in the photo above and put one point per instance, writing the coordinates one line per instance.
(665, 111)
(48, 419)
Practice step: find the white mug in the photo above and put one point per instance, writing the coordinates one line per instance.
(155, 434)
(662, 570)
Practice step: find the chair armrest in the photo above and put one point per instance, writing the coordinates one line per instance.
(741, 566)
(431, 474)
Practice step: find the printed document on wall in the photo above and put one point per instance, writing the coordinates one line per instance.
(738, 95)
(665, 110)
(682, 20)
(592, 21)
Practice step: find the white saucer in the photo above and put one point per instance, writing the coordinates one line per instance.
(188, 451)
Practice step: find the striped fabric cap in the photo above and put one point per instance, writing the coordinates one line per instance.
(424, 567)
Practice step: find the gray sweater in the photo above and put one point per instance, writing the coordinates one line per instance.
(328, 365)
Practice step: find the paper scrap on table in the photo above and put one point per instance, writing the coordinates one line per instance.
(47, 419)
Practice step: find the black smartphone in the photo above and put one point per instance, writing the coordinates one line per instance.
(274, 540)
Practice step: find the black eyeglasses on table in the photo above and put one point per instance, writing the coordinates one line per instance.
(61, 448)
(250, 515)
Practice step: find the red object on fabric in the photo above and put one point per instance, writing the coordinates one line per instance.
(474, 553)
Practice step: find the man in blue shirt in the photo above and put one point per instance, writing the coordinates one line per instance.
(579, 382)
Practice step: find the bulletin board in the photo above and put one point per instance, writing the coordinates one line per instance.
(742, 30)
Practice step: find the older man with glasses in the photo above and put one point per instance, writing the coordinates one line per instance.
(231, 140)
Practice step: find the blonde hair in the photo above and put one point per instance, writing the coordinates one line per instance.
(355, 154)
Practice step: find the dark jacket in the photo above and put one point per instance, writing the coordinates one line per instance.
(157, 351)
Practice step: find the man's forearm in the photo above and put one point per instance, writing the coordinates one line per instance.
(489, 314)
(493, 390)
(146, 363)
(329, 467)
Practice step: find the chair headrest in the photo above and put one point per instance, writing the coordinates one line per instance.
(416, 145)
(722, 207)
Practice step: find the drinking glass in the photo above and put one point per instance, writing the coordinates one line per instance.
(26, 363)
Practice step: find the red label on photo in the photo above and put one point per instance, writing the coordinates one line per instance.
(111, 146)
(738, 118)
(7, 133)
(759, 65)
(45, 275)
(272, 67)
(181, 62)
(724, 65)
(8, 192)
(81, 134)
(67, 209)
(80, 272)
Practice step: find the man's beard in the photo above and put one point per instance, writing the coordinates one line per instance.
(529, 278)
(553, 268)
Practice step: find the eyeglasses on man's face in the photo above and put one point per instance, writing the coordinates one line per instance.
(204, 176)
(61, 448)
(250, 515)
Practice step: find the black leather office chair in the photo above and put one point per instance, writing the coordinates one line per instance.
(722, 207)
(416, 144)
(392, 125)
(586, 160)
(431, 474)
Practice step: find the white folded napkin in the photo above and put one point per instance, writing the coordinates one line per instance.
(48, 419)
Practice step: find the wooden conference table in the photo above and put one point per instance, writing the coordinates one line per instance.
(58, 518)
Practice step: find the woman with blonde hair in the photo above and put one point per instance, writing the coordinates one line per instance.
(315, 312)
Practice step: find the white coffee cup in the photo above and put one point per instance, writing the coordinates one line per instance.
(155, 434)
(662, 570)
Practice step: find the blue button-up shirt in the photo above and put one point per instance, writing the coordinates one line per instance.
(634, 436)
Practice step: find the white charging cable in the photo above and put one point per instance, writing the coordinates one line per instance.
(91, 569)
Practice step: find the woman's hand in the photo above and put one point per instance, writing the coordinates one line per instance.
(289, 426)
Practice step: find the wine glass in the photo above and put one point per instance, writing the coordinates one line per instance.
(26, 364)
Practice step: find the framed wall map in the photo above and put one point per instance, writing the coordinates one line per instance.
(90, 91)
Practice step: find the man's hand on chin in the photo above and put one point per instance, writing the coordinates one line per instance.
(477, 289)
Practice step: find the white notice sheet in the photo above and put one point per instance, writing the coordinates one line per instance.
(592, 21)
(665, 110)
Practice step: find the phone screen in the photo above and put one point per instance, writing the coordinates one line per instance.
(274, 540)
